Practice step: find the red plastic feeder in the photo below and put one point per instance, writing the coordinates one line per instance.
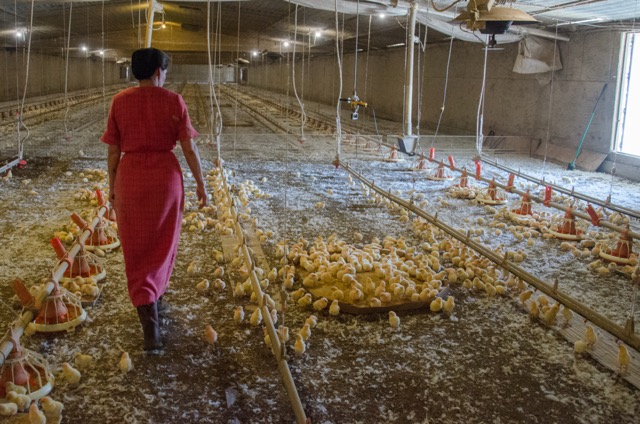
(462, 189)
(25, 368)
(103, 236)
(110, 214)
(60, 311)
(439, 173)
(393, 156)
(85, 265)
(492, 195)
(567, 228)
(620, 251)
(525, 205)
(421, 165)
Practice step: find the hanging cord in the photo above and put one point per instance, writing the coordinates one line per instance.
(421, 83)
(480, 115)
(21, 124)
(67, 106)
(549, 107)
(104, 91)
(446, 8)
(213, 99)
(404, 70)
(303, 115)
(235, 111)
(446, 85)
(338, 128)
(366, 66)
(355, 60)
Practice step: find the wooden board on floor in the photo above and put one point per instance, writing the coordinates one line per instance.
(587, 161)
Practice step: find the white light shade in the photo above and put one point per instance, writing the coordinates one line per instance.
(286, 44)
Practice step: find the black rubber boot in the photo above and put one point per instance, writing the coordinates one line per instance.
(163, 307)
(150, 326)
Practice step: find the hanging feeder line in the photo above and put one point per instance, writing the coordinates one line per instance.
(303, 115)
(601, 321)
(18, 326)
(577, 195)
(554, 205)
(277, 348)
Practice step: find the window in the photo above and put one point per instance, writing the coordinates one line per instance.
(627, 131)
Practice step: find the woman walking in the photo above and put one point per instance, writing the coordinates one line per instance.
(145, 181)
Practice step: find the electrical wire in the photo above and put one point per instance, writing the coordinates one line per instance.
(480, 115)
(213, 99)
(21, 142)
(446, 8)
(67, 106)
(446, 85)
(303, 115)
(550, 105)
(338, 128)
(355, 60)
(235, 111)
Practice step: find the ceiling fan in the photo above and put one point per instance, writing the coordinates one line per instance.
(482, 15)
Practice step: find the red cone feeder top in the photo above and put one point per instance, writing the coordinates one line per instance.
(393, 156)
(85, 265)
(60, 311)
(439, 173)
(620, 251)
(102, 237)
(492, 195)
(25, 368)
(421, 165)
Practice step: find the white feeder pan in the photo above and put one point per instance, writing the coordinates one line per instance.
(65, 326)
(486, 201)
(616, 259)
(105, 247)
(96, 278)
(432, 178)
(563, 236)
(393, 160)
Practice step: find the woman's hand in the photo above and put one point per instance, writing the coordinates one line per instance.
(112, 198)
(201, 192)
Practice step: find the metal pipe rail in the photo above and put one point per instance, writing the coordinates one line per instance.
(278, 351)
(613, 207)
(18, 326)
(601, 321)
(538, 199)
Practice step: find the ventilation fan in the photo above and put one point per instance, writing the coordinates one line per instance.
(483, 16)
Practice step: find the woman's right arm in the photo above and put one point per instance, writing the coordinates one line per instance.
(113, 160)
(193, 160)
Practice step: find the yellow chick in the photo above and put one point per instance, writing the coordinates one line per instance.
(274, 316)
(256, 317)
(449, 305)
(210, 335)
(543, 300)
(71, 374)
(203, 286)
(334, 309)
(296, 295)
(525, 295)
(534, 311)
(219, 272)
(590, 336)
(394, 320)
(83, 361)
(219, 284)
(300, 346)
(305, 300)
(567, 314)
(35, 415)
(623, 358)
(8, 409)
(125, 365)
(550, 315)
(51, 407)
(283, 334)
(320, 304)
(580, 346)
(192, 268)
(238, 315)
(272, 275)
(312, 321)
(22, 401)
(385, 297)
(436, 305)
(11, 387)
(319, 205)
(305, 332)
(374, 302)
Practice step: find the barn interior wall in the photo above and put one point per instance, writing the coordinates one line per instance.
(516, 104)
(47, 74)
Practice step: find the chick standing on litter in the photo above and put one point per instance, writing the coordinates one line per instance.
(300, 346)
(8, 409)
(256, 317)
(125, 365)
(334, 309)
(623, 359)
(394, 320)
(238, 315)
(35, 415)
(71, 374)
(210, 335)
(51, 407)
(305, 332)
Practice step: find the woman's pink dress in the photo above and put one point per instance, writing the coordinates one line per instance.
(146, 122)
